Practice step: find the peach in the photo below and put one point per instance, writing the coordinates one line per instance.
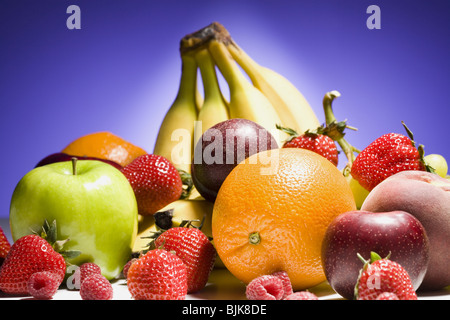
(427, 197)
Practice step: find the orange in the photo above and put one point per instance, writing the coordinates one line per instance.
(104, 145)
(265, 222)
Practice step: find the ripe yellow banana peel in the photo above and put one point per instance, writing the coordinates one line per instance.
(175, 136)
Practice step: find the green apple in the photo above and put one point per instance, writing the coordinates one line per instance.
(359, 192)
(93, 205)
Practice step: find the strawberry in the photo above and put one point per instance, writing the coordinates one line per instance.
(28, 255)
(315, 141)
(31, 254)
(379, 276)
(5, 246)
(387, 155)
(155, 181)
(194, 248)
(157, 275)
(387, 296)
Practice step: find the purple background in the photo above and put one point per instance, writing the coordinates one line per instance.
(120, 72)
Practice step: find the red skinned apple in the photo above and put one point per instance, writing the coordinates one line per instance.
(397, 233)
(427, 197)
(60, 157)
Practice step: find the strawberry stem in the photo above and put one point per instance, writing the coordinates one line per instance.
(188, 184)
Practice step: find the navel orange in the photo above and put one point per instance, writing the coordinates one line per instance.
(104, 145)
(265, 221)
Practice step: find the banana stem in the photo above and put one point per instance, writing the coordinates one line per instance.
(227, 66)
(330, 119)
(188, 83)
(209, 76)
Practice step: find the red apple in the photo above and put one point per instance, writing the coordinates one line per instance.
(60, 157)
(397, 233)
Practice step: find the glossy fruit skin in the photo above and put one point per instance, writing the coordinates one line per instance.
(209, 168)
(60, 157)
(28, 255)
(287, 208)
(155, 182)
(96, 209)
(387, 155)
(397, 233)
(157, 275)
(193, 247)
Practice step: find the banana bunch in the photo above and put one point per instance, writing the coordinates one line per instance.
(256, 93)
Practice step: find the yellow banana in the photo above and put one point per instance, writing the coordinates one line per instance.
(292, 107)
(214, 108)
(246, 101)
(176, 133)
(198, 99)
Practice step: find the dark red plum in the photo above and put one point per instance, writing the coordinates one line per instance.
(397, 233)
(221, 148)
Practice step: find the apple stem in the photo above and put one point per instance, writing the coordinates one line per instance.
(361, 258)
(74, 166)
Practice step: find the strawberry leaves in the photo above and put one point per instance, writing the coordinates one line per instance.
(50, 234)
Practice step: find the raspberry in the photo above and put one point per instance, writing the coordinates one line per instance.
(387, 296)
(87, 269)
(43, 285)
(84, 271)
(287, 286)
(302, 295)
(96, 287)
(267, 287)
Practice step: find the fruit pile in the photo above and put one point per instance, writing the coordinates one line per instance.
(247, 183)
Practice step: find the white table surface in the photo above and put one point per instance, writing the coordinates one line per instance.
(230, 289)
